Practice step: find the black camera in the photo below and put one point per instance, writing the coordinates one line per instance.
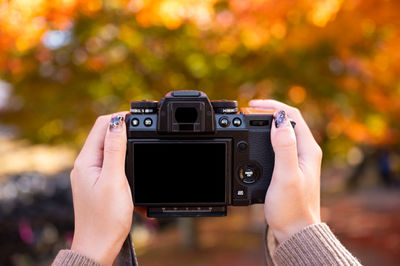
(189, 156)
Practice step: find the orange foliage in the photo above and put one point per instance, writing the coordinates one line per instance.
(263, 26)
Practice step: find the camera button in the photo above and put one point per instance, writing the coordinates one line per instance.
(135, 122)
(242, 146)
(148, 122)
(240, 192)
(248, 175)
(237, 122)
(186, 94)
(224, 122)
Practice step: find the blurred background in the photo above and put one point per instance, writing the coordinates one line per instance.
(65, 62)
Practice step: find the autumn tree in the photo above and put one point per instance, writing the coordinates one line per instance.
(64, 62)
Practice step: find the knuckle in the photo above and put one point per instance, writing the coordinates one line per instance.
(111, 149)
(318, 151)
(99, 119)
(271, 101)
(284, 138)
(77, 165)
(77, 169)
(113, 144)
(286, 144)
(73, 176)
(102, 119)
(295, 110)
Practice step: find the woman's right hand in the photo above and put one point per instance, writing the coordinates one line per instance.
(293, 197)
(102, 198)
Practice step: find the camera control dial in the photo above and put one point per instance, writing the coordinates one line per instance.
(249, 173)
(225, 107)
(144, 107)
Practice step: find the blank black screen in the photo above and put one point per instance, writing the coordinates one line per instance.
(179, 172)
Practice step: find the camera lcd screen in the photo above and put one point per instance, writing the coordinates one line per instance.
(179, 172)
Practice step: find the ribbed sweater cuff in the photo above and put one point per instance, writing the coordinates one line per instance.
(70, 257)
(314, 245)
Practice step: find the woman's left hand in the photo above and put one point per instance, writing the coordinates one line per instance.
(102, 198)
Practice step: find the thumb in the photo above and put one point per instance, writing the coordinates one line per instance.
(115, 147)
(283, 141)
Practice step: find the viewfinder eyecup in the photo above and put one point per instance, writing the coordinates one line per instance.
(186, 112)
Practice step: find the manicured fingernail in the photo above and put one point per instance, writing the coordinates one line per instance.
(116, 122)
(280, 118)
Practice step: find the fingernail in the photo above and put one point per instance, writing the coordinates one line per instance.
(116, 122)
(280, 118)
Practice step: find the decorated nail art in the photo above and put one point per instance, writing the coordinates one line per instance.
(280, 118)
(116, 122)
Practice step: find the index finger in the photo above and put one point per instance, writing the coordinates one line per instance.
(306, 144)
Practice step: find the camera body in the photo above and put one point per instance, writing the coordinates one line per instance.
(189, 156)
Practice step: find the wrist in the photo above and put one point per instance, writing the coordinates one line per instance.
(101, 251)
(284, 233)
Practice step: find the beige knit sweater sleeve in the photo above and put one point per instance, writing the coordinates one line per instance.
(67, 257)
(314, 245)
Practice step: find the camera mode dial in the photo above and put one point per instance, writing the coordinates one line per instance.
(225, 107)
(144, 107)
